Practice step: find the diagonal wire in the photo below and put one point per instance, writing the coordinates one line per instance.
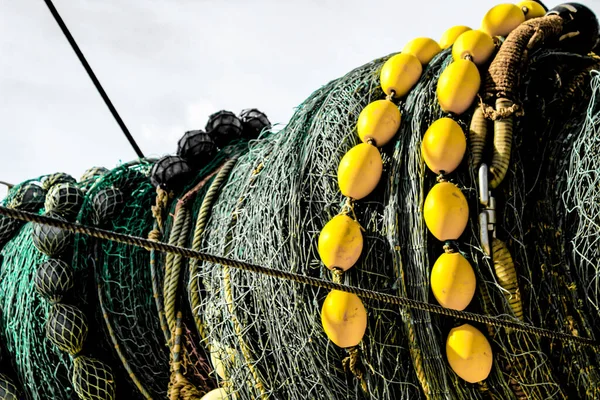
(307, 280)
(92, 76)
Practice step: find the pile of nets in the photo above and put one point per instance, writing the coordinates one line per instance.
(263, 335)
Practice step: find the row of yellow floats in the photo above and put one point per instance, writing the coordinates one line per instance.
(446, 211)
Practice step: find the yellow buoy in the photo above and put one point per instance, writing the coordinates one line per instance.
(451, 34)
(531, 9)
(400, 73)
(453, 281)
(344, 318)
(340, 242)
(423, 48)
(458, 85)
(359, 171)
(216, 394)
(446, 211)
(219, 356)
(502, 19)
(477, 44)
(443, 146)
(379, 121)
(469, 353)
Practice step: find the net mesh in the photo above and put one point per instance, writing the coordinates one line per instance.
(264, 336)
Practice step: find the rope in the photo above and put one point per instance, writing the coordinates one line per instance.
(207, 204)
(169, 303)
(290, 276)
(92, 76)
(115, 343)
(156, 292)
(504, 72)
(353, 363)
(180, 387)
(244, 347)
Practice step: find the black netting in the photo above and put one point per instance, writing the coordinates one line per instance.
(224, 127)
(92, 379)
(8, 390)
(29, 197)
(64, 199)
(106, 204)
(254, 122)
(170, 172)
(54, 278)
(54, 179)
(50, 240)
(197, 148)
(67, 328)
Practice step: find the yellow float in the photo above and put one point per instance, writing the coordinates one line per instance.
(458, 85)
(399, 74)
(340, 242)
(531, 9)
(446, 211)
(469, 353)
(476, 44)
(443, 146)
(217, 394)
(449, 37)
(423, 48)
(344, 318)
(453, 281)
(379, 121)
(502, 19)
(359, 171)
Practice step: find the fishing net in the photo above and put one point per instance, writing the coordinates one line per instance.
(181, 327)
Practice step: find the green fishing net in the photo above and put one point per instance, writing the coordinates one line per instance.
(264, 335)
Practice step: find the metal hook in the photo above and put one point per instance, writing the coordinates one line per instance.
(487, 217)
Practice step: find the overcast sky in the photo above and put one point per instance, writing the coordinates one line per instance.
(168, 64)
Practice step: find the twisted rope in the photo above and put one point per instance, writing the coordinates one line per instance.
(290, 276)
(203, 215)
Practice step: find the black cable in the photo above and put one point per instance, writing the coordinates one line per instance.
(92, 76)
(149, 244)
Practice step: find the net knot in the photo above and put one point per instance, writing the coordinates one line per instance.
(503, 113)
(162, 199)
(337, 274)
(354, 364)
(154, 235)
(181, 388)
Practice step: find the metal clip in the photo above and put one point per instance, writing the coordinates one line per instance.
(484, 188)
(487, 217)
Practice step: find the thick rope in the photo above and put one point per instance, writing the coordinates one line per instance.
(180, 387)
(169, 303)
(170, 294)
(504, 72)
(290, 276)
(245, 349)
(156, 290)
(207, 203)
